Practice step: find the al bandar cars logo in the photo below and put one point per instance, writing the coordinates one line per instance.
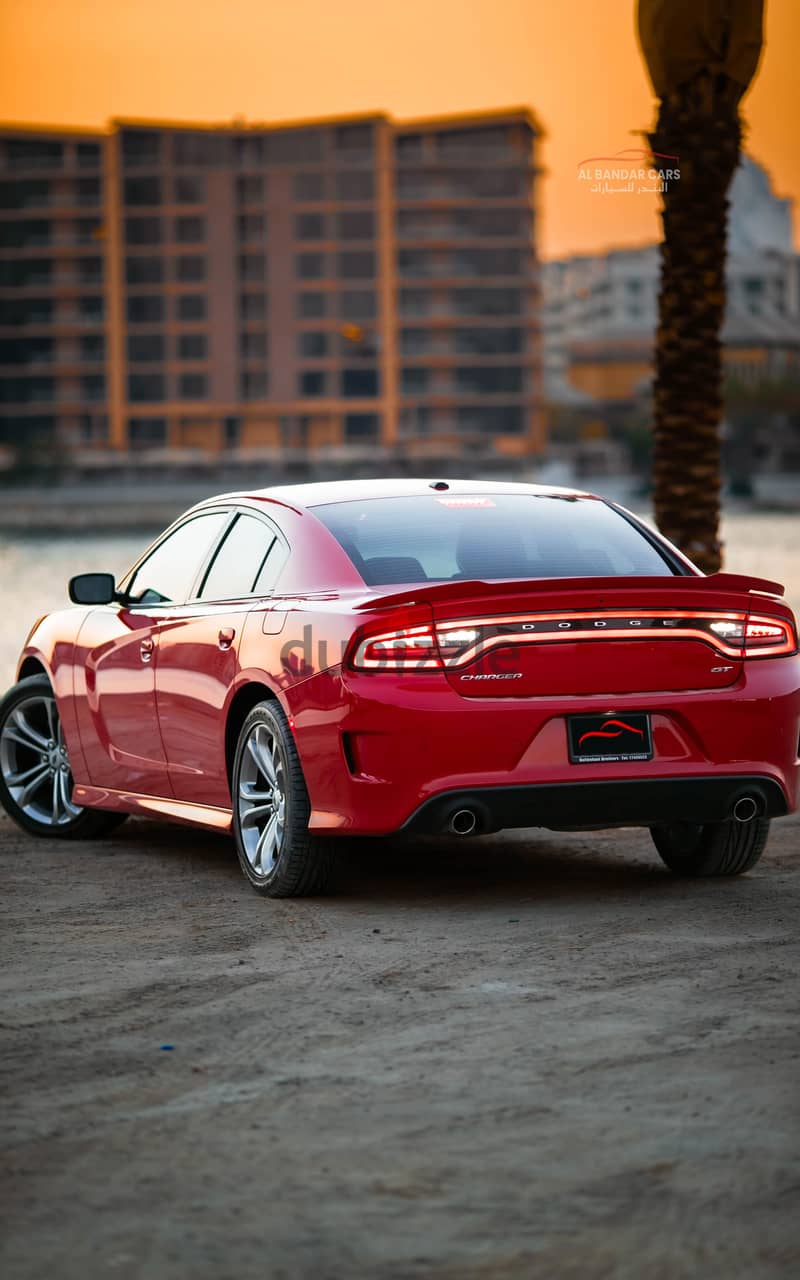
(605, 731)
(633, 171)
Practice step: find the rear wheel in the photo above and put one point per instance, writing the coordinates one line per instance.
(271, 810)
(717, 849)
(35, 774)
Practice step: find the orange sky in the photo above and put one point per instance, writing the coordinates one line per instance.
(575, 62)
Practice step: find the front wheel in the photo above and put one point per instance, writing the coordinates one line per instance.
(35, 774)
(717, 849)
(271, 810)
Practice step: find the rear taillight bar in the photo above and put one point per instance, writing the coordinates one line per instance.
(457, 643)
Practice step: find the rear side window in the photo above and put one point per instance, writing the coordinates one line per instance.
(240, 560)
(452, 537)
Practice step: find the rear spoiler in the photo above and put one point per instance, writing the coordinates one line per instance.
(429, 593)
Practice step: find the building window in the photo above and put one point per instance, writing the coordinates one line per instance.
(310, 266)
(198, 149)
(312, 382)
(34, 154)
(357, 304)
(488, 381)
(309, 186)
(414, 380)
(356, 225)
(313, 344)
(487, 302)
(147, 432)
(145, 309)
(89, 155)
(190, 230)
(90, 270)
(361, 426)
(92, 309)
(192, 346)
(253, 346)
(488, 342)
(93, 387)
(311, 306)
(409, 149)
(146, 386)
(353, 140)
(296, 146)
(144, 270)
(354, 266)
(360, 382)
(193, 386)
(145, 348)
(504, 419)
(189, 270)
(250, 190)
(253, 306)
(254, 385)
(250, 153)
(143, 230)
(355, 186)
(92, 346)
(309, 226)
(191, 306)
(142, 191)
(140, 150)
(251, 227)
(189, 190)
(252, 266)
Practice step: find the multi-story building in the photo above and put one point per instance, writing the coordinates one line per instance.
(347, 281)
(600, 312)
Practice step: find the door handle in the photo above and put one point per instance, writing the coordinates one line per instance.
(225, 637)
(146, 647)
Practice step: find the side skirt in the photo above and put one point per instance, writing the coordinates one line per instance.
(195, 815)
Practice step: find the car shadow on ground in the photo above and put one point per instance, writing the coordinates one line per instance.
(510, 867)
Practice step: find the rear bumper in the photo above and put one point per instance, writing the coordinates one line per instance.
(585, 805)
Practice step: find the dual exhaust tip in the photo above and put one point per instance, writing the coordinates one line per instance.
(746, 808)
(467, 822)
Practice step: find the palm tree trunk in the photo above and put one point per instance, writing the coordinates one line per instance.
(699, 122)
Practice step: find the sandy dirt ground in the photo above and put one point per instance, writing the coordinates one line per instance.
(519, 1056)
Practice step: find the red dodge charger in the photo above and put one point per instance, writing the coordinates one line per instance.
(306, 663)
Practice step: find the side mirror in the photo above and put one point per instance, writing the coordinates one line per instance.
(93, 588)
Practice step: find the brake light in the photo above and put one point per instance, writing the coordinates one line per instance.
(768, 637)
(409, 648)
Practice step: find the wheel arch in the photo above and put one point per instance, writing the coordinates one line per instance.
(246, 697)
(31, 666)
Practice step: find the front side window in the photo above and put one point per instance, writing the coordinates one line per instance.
(240, 561)
(168, 573)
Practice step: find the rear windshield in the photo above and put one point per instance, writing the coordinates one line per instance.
(443, 538)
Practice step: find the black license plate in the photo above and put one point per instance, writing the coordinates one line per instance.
(606, 739)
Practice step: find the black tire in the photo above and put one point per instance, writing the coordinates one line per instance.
(303, 864)
(718, 849)
(33, 694)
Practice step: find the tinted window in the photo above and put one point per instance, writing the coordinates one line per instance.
(238, 563)
(497, 536)
(168, 573)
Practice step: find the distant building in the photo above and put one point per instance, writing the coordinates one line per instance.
(600, 312)
(347, 281)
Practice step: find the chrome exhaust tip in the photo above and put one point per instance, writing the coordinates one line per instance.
(464, 822)
(745, 809)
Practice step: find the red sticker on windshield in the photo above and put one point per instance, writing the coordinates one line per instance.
(466, 502)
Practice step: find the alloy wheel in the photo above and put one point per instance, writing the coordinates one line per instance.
(262, 799)
(35, 762)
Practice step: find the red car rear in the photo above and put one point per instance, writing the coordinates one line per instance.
(317, 661)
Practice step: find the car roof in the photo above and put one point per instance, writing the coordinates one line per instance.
(315, 494)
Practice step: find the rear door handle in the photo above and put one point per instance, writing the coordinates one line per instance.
(146, 647)
(226, 637)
